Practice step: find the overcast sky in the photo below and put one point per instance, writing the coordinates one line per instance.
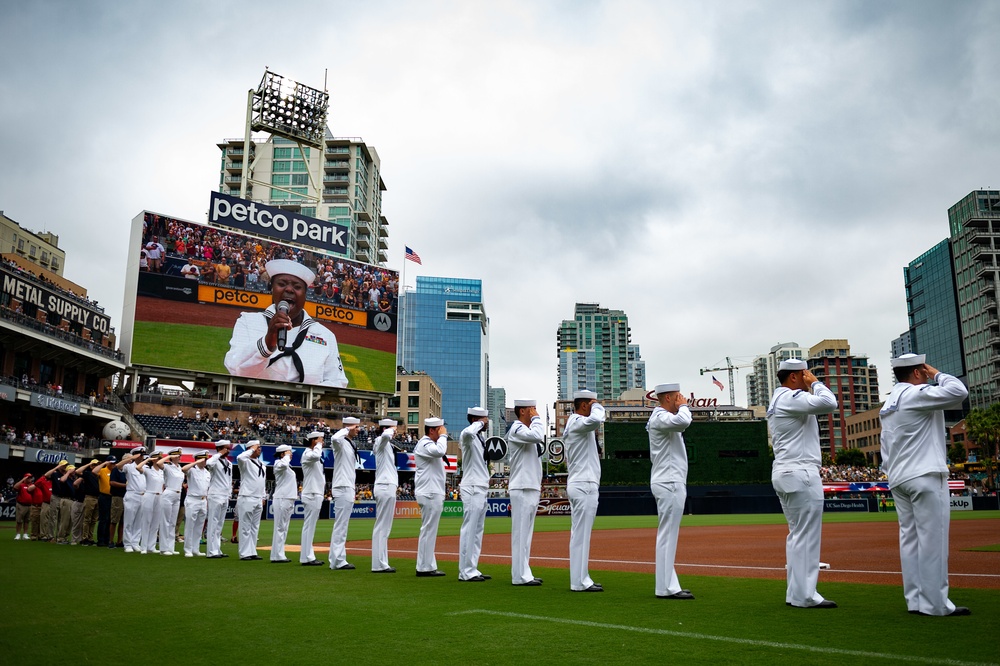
(731, 175)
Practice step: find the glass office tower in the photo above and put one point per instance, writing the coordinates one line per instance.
(445, 333)
(933, 309)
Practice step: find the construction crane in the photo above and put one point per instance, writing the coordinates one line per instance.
(729, 367)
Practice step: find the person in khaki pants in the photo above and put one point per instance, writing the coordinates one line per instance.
(66, 482)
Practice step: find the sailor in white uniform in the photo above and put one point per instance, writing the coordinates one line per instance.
(428, 487)
(475, 483)
(313, 486)
(791, 417)
(170, 500)
(309, 355)
(151, 502)
(250, 500)
(583, 464)
(525, 446)
(386, 483)
(195, 504)
(914, 459)
(668, 482)
(135, 486)
(345, 465)
(220, 489)
(286, 491)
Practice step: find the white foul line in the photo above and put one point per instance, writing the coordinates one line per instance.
(681, 564)
(728, 639)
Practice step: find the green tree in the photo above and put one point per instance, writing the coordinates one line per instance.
(956, 454)
(983, 427)
(852, 457)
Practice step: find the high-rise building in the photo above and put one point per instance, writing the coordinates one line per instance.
(445, 334)
(343, 178)
(852, 380)
(496, 405)
(636, 369)
(932, 309)
(593, 350)
(901, 345)
(417, 397)
(975, 249)
(763, 379)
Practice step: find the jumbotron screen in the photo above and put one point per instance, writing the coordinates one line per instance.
(204, 301)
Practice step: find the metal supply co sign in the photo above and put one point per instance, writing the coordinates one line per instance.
(282, 225)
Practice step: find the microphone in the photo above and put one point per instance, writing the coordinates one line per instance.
(282, 332)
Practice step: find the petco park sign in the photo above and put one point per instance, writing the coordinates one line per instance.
(283, 225)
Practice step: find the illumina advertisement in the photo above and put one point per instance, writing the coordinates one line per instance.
(200, 298)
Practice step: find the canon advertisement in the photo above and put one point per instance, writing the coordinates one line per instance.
(204, 301)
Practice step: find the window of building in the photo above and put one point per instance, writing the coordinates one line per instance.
(394, 401)
(309, 211)
(279, 194)
(413, 401)
(300, 179)
(280, 179)
(281, 166)
(412, 385)
(32, 251)
(412, 418)
(282, 153)
(298, 166)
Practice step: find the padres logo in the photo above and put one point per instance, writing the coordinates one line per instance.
(556, 451)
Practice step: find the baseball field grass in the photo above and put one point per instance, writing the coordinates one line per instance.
(92, 604)
(203, 348)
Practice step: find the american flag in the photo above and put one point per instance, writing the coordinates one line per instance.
(718, 383)
(413, 256)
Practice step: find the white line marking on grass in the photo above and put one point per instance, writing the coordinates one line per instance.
(727, 639)
(681, 564)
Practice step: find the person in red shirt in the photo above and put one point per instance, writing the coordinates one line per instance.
(43, 484)
(35, 516)
(25, 487)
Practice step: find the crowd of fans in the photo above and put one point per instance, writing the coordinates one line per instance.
(46, 440)
(851, 474)
(216, 257)
(49, 284)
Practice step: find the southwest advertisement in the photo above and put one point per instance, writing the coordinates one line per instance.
(205, 302)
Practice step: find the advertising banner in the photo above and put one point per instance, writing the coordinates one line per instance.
(55, 404)
(497, 506)
(845, 505)
(283, 225)
(205, 303)
(961, 504)
(359, 510)
(553, 507)
(4, 451)
(48, 457)
(8, 393)
(8, 510)
(52, 303)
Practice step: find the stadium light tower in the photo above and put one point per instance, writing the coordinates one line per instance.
(291, 110)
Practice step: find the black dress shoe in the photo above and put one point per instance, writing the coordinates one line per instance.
(474, 579)
(386, 570)
(826, 603)
(217, 557)
(313, 563)
(436, 572)
(346, 567)
(677, 595)
(486, 576)
(531, 583)
(538, 580)
(284, 561)
(248, 558)
(592, 588)
(958, 612)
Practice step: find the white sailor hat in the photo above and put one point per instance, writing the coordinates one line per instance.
(223, 443)
(288, 267)
(176, 451)
(252, 442)
(283, 448)
(908, 360)
(201, 455)
(351, 420)
(666, 388)
(585, 395)
(138, 449)
(433, 422)
(793, 364)
(388, 422)
(478, 411)
(525, 403)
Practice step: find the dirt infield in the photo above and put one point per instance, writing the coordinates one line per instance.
(856, 552)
